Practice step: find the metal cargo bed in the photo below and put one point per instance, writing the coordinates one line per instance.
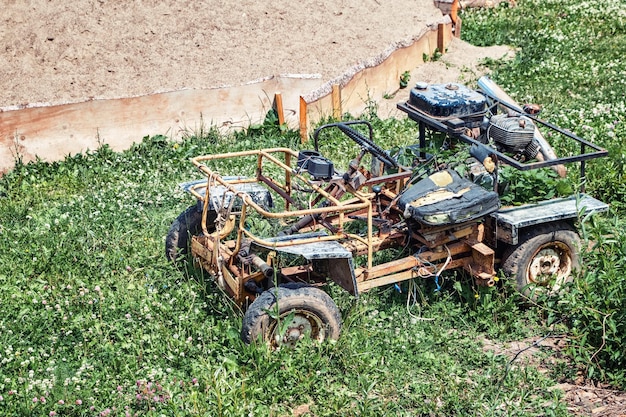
(510, 220)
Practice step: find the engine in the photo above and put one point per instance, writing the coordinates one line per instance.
(509, 132)
(513, 133)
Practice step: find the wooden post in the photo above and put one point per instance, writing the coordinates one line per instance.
(441, 38)
(280, 111)
(457, 27)
(304, 135)
(336, 98)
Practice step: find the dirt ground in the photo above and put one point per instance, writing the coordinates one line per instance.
(583, 398)
(62, 52)
(59, 52)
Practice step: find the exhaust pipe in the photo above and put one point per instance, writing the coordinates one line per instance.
(248, 258)
(266, 269)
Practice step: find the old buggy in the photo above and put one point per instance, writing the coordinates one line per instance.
(272, 237)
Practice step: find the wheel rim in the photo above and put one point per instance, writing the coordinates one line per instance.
(552, 263)
(301, 324)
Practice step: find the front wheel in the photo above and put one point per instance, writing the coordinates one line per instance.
(545, 259)
(284, 315)
(187, 224)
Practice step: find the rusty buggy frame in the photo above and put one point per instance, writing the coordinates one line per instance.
(329, 225)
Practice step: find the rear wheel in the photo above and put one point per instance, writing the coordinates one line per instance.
(284, 315)
(187, 224)
(545, 260)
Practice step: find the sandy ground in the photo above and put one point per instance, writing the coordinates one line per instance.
(462, 63)
(68, 51)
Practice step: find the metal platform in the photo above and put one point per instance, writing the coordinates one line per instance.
(510, 220)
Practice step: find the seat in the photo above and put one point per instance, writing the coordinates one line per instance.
(446, 198)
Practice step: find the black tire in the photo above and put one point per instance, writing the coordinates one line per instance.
(310, 311)
(187, 224)
(546, 258)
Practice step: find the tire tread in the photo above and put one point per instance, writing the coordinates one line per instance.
(256, 316)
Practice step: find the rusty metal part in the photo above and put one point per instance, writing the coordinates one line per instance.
(409, 267)
(481, 264)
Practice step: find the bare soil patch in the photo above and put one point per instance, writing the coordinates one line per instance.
(583, 398)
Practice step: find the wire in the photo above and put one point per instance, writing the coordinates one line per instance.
(412, 293)
(425, 273)
(411, 297)
(445, 265)
(508, 365)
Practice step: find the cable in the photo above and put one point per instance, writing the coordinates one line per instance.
(411, 299)
(445, 265)
(437, 272)
(412, 293)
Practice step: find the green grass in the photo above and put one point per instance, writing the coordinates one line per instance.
(92, 313)
(94, 321)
